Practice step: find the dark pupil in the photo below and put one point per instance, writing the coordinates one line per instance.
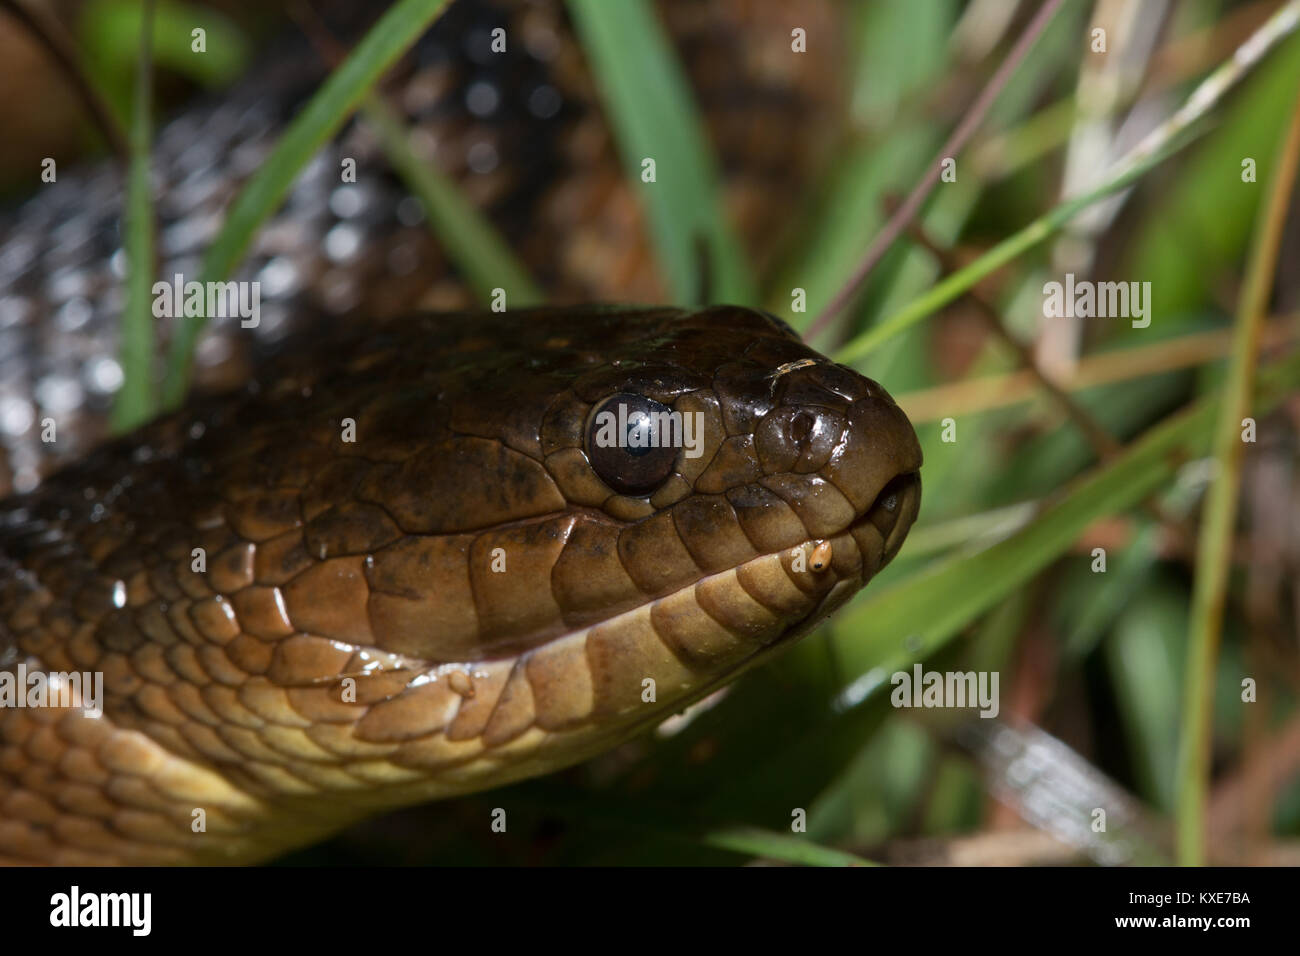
(640, 434)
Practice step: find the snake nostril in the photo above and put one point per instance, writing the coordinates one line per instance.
(895, 509)
(799, 440)
(801, 427)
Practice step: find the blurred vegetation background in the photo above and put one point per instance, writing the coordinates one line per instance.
(1000, 572)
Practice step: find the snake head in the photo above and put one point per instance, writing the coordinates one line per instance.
(786, 459)
(446, 553)
(610, 513)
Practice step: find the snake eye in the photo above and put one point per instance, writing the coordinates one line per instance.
(632, 442)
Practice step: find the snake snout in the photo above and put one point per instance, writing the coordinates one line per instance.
(877, 467)
(842, 453)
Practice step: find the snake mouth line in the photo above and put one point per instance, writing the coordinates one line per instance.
(878, 534)
(886, 524)
(880, 530)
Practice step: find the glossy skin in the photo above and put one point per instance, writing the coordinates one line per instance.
(413, 508)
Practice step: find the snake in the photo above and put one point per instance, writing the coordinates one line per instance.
(415, 555)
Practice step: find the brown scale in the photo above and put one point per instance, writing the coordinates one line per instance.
(440, 605)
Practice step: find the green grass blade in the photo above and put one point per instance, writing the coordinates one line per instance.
(1005, 251)
(848, 214)
(468, 238)
(789, 848)
(134, 403)
(324, 113)
(651, 110)
(1162, 142)
(917, 616)
(1143, 652)
(107, 31)
(1214, 549)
